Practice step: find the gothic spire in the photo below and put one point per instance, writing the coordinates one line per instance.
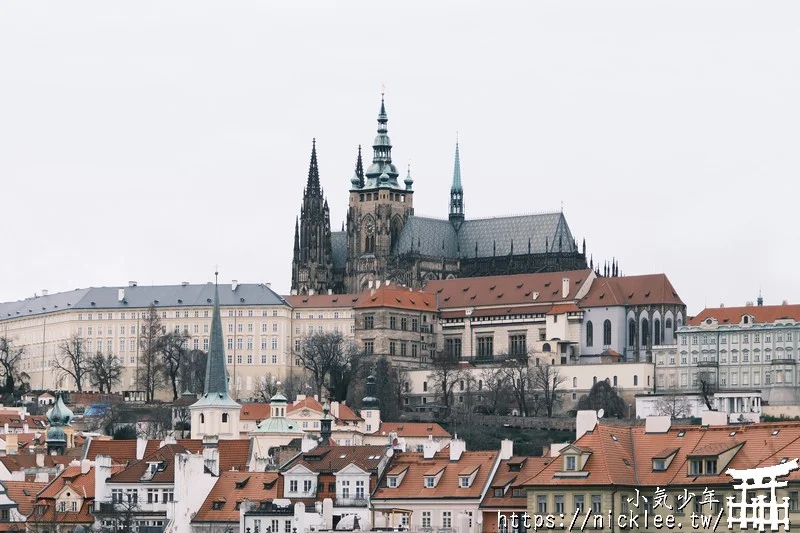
(457, 193)
(382, 172)
(296, 239)
(216, 373)
(312, 186)
(358, 173)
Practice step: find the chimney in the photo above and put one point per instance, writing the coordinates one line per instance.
(133, 283)
(535, 296)
(565, 287)
(167, 440)
(86, 464)
(211, 458)
(41, 477)
(102, 471)
(307, 444)
(184, 283)
(506, 449)
(5, 428)
(657, 424)
(335, 409)
(785, 302)
(584, 423)
(311, 292)
(748, 303)
(12, 443)
(377, 284)
(234, 284)
(40, 459)
(722, 306)
(457, 447)
(429, 448)
(330, 291)
(269, 285)
(25, 427)
(141, 446)
(44, 292)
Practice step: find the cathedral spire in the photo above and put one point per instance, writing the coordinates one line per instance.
(457, 193)
(382, 172)
(358, 173)
(296, 239)
(312, 186)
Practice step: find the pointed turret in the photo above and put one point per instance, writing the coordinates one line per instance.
(216, 373)
(296, 239)
(409, 180)
(58, 417)
(457, 193)
(760, 300)
(312, 186)
(357, 181)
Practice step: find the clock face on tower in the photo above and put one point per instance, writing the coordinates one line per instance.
(370, 227)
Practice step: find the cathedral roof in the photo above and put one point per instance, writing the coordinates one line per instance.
(493, 236)
(649, 289)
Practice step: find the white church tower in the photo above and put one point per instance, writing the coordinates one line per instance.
(215, 414)
(370, 408)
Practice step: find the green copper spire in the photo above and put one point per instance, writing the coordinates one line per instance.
(215, 390)
(382, 172)
(457, 193)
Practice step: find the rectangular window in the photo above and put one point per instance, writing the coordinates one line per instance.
(426, 519)
(403, 323)
(152, 495)
(452, 346)
(485, 346)
(517, 344)
(447, 519)
(167, 495)
(558, 500)
(293, 485)
(369, 347)
(578, 502)
(392, 348)
(369, 322)
(596, 499)
(392, 322)
(541, 504)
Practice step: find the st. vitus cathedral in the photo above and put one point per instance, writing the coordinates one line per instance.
(383, 240)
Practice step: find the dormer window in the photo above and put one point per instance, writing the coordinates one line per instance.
(498, 493)
(393, 482)
(464, 482)
(703, 467)
(217, 505)
(430, 482)
(570, 463)
(659, 465)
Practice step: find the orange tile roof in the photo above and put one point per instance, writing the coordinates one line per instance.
(25, 461)
(517, 289)
(412, 486)
(322, 300)
(164, 474)
(631, 290)
(347, 414)
(764, 314)
(397, 298)
(334, 458)
(23, 493)
(233, 453)
(413, 429)
(120, 451)
(507, 479)
(306, 403)
(560, 309)
(233, 487)
(254, 411)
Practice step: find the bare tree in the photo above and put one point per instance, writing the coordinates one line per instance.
(331, 358)
(10, 357)
(150, 370)
(268, 386)
(447, 372)
(673, 405)
(174, 353)
(707, 383)
(73, 361)
(105, 372)
(520, 379)
(494, 390)
(548, 381)
(193, 371)
(157, 425)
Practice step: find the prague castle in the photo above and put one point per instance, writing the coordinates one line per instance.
(383, 240)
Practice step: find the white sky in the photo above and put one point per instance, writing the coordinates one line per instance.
(151, 141)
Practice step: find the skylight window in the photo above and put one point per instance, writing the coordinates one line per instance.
(681, 433)
(784, 460)
(775, 432)
(614, 437)
(733, 433)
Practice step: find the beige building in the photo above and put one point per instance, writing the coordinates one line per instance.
(256, 324)
(320, 313)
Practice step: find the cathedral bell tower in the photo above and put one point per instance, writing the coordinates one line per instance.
(379, 207)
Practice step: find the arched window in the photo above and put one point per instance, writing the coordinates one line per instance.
(631, 332)
(589, 334)
(668, 324)
(594, 380)
(645, 334)
(615, 381)
(635, 381)
(656, 332)
(224, 418)
(574, 382)
(202, 418)
(546, 347)
(607, 333)
(369, 244)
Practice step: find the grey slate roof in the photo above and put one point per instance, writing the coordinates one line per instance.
(190, 295)
(435, 237)
(339, 248)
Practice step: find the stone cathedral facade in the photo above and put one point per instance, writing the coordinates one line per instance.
(383, 240)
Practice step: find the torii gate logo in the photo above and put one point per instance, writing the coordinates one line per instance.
(754, 509)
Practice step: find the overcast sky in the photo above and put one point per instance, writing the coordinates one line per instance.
(151, 141)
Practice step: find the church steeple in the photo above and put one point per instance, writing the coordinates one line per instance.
(457, 193)
(312, 186)
(382, 173)
(296, 254)
(215, 413)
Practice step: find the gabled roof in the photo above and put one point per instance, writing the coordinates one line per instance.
(23, 493)
(26, 461)
(306, 403)
(254, 411)
(165, 472)
(412, 485)
(631, 290)
(541, 289)
(763, 314)
(233, 487)
(506, 477)
(331, 459)
(396, 297)
(233, 453)
(347, 414)
(120, 451)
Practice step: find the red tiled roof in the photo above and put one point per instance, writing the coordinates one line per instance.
(397, 298)
(631, 290)
(508, 479)
(254, 411)
(763, 314)
(120, 451)
(233, 453)
(413, 429)
(322, 300)
(347, 414)
(233, 487)
(560, 309)
(23, 493)
(25, 461)
(165, 473)
(334, 458)
(412, 486)
(306, 403)
(517, 289)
